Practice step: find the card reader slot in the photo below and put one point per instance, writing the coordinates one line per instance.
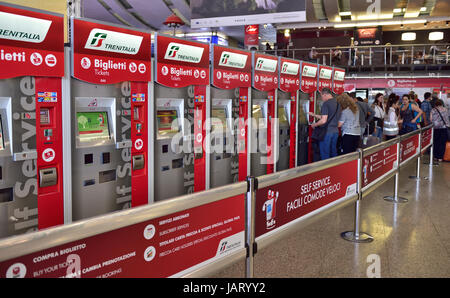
(6, 195)
(88, 182)
(106, 176)
(177, 163)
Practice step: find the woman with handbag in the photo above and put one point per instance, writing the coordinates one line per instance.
(349, 123)
(439, 117)
(391, 121)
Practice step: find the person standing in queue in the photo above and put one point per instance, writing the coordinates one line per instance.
(391, 120)
(441, 122)
(410, 114)
(330, 114)
(378, 107)
(426, 108)
(349, 123)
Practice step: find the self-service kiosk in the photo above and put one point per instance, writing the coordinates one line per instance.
(263, 128)
(230, 82)
(110, 74)
(338, 80)
(181, 77)
(289, 85)
(307, 96)
(31, 153)
(325, 81)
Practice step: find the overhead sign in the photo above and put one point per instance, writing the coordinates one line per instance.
(367, 36)
(180, 63)
(31, 43)
(289, 75)
(106, 54)
(238, 13)
(231, 68)
(265, 72)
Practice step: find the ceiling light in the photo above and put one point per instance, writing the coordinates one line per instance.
(437, 35)
(397, 10)
(345, 13)
(423, 9)
(379, 23)
(287, 33)
(408, 36)
(412, 14)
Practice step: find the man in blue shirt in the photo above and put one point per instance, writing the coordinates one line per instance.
(426, 107)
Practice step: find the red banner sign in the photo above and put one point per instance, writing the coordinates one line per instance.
(409, 148)
(338, 80)
(378, 164)
(287, 201)
(31, 43)
(181, 63)
(251, 35)
(309, 77)
(325, 77)
(232, 68)
(289, 75)
(426, 138)
(265, 72)
(162, 247)
(351, 83)
(104, 54)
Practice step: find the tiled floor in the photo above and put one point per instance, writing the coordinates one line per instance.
(411, 239)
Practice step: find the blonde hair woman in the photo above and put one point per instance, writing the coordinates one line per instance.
(349, 123)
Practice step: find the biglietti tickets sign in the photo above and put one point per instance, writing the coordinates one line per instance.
(289, 75)
(231, 68)
(180, 63)
(31, 43)
(283, 203)
(162, 247)
(265, 72)
(325, 77)
(308, 77)
(338, 80)
(104, 54)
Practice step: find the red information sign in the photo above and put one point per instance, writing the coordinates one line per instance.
(31, 43)
(309, 78)
(289, 75)
(161, 247)
(409, 148)
(287, 201)
(426, 138)
(104, 54)
(338, 80)
(265, 72)
(378, 164)
(325, 77)
(181, 63)
(232, 68)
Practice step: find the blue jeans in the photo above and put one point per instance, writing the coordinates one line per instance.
(328, 145)
(378, 133)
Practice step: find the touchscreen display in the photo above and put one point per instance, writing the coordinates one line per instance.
(93, 126)
(219, 119)
(282, 116)
(257, 114)
(2, 143)
(165, 119)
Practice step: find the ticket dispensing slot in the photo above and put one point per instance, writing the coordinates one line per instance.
(138, 162)
(48, 177)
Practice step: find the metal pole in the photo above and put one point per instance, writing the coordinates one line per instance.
(250, 226)
(395, 198)
(417, 177)
(431, 162)
(357, 235)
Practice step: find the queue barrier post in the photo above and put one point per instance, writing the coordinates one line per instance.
(357, 235)
(395, 198)
(252, 186)
(417, 176)
(432, 162)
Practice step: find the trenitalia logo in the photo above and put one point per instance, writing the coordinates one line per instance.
(290, 68)
(112, 41)
(98, 39)
(22, 28)
(309, 71)
(325, 73)
(232, 60)
(339, 75)
(264, 64)
(182, 52)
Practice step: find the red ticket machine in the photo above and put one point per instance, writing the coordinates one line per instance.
(31, 155)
